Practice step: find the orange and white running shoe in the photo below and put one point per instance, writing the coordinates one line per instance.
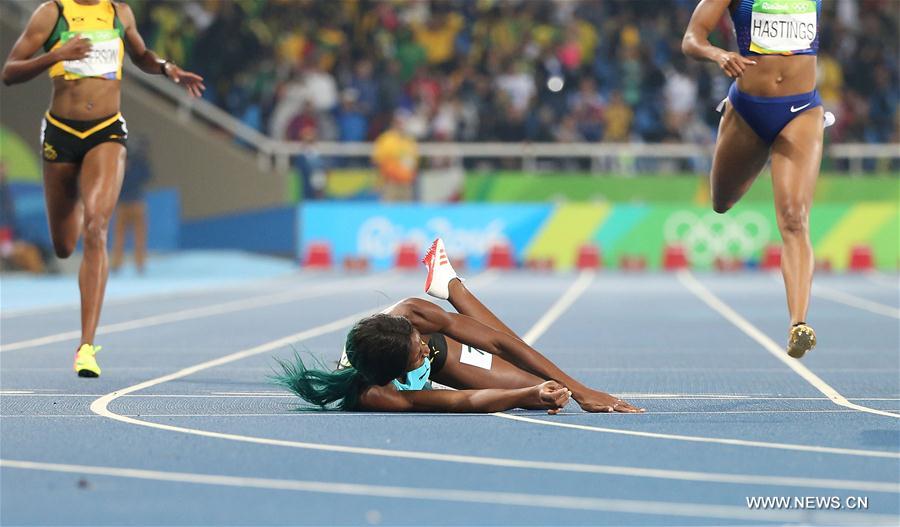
(440, 272)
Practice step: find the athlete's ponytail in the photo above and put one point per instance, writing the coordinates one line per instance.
(378, 348)
(320, 387)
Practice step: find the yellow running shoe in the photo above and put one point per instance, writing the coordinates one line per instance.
(802, 339)
(85, 363)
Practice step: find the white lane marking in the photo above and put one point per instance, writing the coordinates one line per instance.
(101, 407)
(285, 395)
(446, 415)
(855, 301)
(716, 440)
(691, 510)
(267, 300)
(185, 293)
(568, 298)
(883, 279)
(700, 291)
(578, 287)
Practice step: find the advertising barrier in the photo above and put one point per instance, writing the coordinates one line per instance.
(556, 232)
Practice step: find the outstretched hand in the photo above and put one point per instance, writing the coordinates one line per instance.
(595, 401)
(192, 82)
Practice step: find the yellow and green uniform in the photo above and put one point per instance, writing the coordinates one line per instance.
(98, 23)
(68, 140)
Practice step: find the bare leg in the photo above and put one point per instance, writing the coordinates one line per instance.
(101, 180)
(796, 157)
(467, 304)
(467, 377)
(739, 157)
(64, 210)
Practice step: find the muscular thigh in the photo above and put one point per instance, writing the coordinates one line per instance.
(796, 159)
(739, 157)
(501, 374)
(102, 172)
(63, 205)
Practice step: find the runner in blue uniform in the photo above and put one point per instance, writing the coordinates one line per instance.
(773, 111)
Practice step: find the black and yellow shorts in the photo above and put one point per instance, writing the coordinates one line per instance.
(68, 140)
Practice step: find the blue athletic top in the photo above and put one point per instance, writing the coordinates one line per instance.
(777, 27)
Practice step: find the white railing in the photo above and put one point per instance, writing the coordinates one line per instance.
(279, 153)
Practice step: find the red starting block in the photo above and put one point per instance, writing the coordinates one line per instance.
(771, 259)
(318, 255)
(540, 264)
(500, 256)
(407, 256)
(631, 262)
(823, 266)
(861, 258)
(728, 265)
(588, 257)
(356, 264)
(674, 258)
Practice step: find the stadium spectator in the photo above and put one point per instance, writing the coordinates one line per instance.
(15, 253)
(266, 60)
(131, 212)
(396, 155)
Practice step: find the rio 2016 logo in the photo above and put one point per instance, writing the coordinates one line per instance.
(379, 237)
(707, 236)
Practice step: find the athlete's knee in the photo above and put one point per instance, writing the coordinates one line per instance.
(722, 207)
(96, 227)
(794, 220)
(63, 248)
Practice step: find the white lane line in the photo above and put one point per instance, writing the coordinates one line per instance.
(578, 287)
(442, 415)
(855, 301)
(101, 407)
(285, 395)
(267, 300)
(883, 279)
(644, 507)
(700, 291)
(224, 287)
(568, 298)
(716, 440)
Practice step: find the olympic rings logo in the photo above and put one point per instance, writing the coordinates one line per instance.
(708, 236)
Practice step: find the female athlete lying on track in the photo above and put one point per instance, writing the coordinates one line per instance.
(391, 358)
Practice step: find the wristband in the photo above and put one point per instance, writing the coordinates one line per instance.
(162, 68)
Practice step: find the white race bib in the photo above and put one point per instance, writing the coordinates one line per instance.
(103, 60)
(782, 26)
(475, 357)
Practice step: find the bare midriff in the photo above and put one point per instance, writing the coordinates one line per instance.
(85, 99)
(779, 76)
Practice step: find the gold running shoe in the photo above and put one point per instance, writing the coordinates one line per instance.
(802, 339)
(85, 362)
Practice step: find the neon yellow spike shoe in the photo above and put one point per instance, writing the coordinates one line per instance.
(85, 363)
(802, 339)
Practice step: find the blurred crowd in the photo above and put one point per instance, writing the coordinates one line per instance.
(500, 70)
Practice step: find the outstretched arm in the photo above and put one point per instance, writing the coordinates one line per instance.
(696, 39)
(430, 318)
(149, 62)
(550, 395)
(21, 67)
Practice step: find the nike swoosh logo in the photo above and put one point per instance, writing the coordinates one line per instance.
(795, 110)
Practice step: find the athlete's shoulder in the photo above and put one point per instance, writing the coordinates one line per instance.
(49, 9)
(123, 10)
(45, 16)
